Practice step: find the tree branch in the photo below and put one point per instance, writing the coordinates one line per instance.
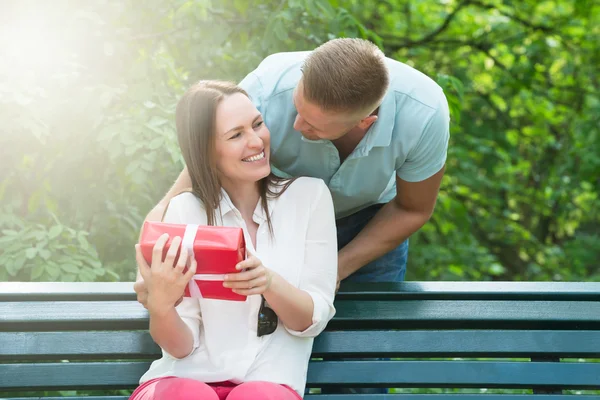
(427, 38)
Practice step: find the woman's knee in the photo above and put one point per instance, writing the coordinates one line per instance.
(177, 389)
(262, 390)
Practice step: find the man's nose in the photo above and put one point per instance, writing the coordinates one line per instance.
(299, 123)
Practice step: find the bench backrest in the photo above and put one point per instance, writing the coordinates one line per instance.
(85, 336)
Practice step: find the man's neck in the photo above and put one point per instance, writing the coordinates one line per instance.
(347, 143)
(354, 135)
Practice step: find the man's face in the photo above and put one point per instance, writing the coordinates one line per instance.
(314, 123)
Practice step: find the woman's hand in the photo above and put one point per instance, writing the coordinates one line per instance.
(255, 278)
(165, 280)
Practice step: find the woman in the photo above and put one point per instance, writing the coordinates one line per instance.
(230, 350)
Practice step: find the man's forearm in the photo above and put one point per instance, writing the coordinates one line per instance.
(182, 183)
(391, 226)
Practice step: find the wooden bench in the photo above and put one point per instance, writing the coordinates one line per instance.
(527, 336)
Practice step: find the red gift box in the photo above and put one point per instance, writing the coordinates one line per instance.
(217, 250)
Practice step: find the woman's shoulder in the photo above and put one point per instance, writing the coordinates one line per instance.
(307, 190)
(308, 185)
(185, 208)
(185, 199)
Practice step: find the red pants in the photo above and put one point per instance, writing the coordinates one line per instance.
(172, 388)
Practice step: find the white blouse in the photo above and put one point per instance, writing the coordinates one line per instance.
(303, 250)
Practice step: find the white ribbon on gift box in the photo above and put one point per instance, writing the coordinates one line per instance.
(188, 242)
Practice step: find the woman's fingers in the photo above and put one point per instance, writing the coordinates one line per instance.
(245, 275)
(250, 262)
(248, 284)
(191, 270)
(157, 250)
(182, 261)
(172, 252)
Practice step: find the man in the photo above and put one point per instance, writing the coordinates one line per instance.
(374, 129)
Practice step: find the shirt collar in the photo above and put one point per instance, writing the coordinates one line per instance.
(380, 134)
(226, 206)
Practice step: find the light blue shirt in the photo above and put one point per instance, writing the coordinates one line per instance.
(409, 138)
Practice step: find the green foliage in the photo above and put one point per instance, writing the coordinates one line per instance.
(87, 101)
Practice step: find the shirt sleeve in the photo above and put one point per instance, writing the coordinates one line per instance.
(429, 155)
(319, 274)
(189, 308)
(253, 86)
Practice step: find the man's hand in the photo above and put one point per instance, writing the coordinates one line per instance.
(142, 292)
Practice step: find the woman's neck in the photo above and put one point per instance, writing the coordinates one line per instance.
(244, 197)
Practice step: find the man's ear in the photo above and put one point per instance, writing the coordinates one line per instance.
(366, 123)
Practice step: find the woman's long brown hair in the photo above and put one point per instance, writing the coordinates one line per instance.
(196, 125)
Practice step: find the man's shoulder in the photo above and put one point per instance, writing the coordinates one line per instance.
(415, 86)
(280, 72)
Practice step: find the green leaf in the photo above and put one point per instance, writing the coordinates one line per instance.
(55, 231)
(37, 271)
(30, 253)
(83, 242)
(87, 275)
(156, 143)
(45, 254)
(19, 263)
(53, 270)
(497, 269)
(70, 268)
(9, 267)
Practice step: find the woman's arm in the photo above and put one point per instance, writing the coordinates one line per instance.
(319, 273)
(175, 330)
(306, 309)
(171, 333)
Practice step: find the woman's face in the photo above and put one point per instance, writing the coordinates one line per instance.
(242, 141)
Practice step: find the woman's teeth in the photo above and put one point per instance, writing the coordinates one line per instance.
(255, 158)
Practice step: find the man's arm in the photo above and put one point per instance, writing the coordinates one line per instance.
(182, 183)
(393, 224)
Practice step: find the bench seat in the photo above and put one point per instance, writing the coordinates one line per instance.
(540, 339)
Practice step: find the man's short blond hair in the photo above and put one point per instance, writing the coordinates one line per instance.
(345, 75)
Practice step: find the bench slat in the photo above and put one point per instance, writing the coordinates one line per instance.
(487, 343)
(422, 374)
(375, 396)
(579, 291)
(99, 345)
(409, 314)
(90, 291)
(459, 343)
(456, 374)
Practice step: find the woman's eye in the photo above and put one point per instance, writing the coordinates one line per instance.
(237, 135)
(258, 124)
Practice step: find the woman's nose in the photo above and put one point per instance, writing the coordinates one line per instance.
(255, 141)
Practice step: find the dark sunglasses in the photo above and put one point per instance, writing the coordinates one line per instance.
(267, 319)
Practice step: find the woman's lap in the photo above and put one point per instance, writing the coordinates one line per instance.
(172, 388)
